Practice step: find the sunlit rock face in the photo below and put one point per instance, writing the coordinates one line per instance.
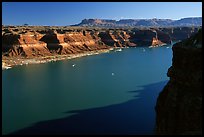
(179, 105)
(41, 43)
(34, 41)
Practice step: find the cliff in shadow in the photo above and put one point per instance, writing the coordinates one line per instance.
(179, 105)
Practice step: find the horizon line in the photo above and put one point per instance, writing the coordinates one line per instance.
(107, 19)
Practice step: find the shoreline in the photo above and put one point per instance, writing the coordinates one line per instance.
(10, 62)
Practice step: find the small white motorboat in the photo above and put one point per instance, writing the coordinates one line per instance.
(118, 50)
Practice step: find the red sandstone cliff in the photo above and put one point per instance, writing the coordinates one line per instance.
(37, 44)
(37, 41)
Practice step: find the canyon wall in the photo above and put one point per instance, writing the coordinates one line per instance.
(48, 43)
(30, 41)
(179, 105)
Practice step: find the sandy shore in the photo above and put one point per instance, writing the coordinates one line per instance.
(9, 62)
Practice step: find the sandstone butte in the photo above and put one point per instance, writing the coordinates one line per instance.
(40, 44)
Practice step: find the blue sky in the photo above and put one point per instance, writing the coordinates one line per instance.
(69, 13)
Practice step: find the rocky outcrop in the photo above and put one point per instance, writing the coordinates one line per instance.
(148, 36)
(156, 42)
(180, 33)
(116, 38)
(179, 105)
(30, 41)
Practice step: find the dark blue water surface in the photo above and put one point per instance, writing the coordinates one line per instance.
(110, 93)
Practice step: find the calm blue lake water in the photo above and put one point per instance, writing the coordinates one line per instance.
(111, 93)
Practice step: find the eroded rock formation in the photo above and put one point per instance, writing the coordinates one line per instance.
(179, 105)
(50, 42)
(30, 41)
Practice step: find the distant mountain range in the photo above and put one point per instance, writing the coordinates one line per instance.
(195, 21)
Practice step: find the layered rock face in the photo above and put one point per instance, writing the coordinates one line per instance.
(149, 37)
(179, 105)
(116, 38)
(49, 43)
(37, 41)
(180, 33)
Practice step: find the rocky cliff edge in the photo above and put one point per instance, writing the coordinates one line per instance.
(179, 105)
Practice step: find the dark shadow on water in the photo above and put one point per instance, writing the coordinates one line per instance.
(136, 116)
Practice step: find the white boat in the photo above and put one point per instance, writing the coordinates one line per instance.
(118, 50)
(6, 67)
(73, 65)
